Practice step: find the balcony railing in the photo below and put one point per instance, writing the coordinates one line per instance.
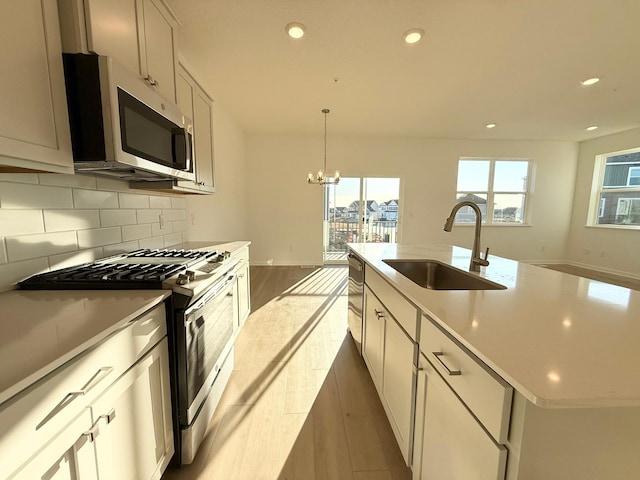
(379, 231)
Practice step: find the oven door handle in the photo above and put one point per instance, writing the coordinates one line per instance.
(231, 277)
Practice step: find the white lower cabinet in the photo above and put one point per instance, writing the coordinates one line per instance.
(449, 443)
(389, 353)
(132, 427)
(69, 456)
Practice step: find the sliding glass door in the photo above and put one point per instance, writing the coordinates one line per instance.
(359, 210)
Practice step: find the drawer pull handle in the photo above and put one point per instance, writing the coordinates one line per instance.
(95, 428)
(69, 397)
(449, 370)
(379, 313)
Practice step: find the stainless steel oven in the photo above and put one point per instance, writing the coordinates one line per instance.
(204, 333)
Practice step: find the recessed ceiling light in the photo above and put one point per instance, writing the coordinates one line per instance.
(590, 81)
(295, 30)
(592, 128)
(491, 125)
(413, 36)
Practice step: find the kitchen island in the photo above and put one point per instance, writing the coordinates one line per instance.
(565, 344)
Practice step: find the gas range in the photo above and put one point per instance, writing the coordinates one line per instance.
(186, 272)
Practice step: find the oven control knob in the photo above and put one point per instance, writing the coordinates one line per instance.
(191, 275)
(182, 279)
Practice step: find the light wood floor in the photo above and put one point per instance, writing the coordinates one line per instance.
(300, 403)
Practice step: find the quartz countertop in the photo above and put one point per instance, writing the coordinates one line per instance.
(558, 339)
(42, 330)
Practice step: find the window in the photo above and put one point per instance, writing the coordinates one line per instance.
(498, 187)
(617, 194)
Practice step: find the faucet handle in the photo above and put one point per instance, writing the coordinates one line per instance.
(483, 261)
(486, 254)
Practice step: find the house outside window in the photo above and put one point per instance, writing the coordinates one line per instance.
(498, 186)
(617, 192)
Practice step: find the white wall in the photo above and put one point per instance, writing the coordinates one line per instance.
(603, 248)
(285, 219)
(223, 215)
(50, 221)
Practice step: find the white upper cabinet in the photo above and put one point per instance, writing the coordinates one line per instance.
(34, 124)
(141, 34)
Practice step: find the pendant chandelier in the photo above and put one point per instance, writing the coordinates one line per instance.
(321, 178)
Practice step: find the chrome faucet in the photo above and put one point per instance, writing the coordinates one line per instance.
(476, 259)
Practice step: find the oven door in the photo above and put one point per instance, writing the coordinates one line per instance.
(209, 325)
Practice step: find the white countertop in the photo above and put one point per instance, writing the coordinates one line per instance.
(41, 330)
(559, 339)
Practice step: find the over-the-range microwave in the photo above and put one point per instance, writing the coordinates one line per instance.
(120, 127)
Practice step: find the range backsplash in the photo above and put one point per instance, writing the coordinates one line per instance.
(50, 221)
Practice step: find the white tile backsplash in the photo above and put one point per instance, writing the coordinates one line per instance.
(99, 236)
(112, 218)
(25, 247)
(26, 196)
(94, 199)
(129, 200)
(20, 222)
(51, 221)
(64, 220)
(136, 232)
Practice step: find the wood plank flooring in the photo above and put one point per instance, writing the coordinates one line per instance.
(300, 404)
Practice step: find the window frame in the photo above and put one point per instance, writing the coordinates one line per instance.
(596, 207)
(490, 192)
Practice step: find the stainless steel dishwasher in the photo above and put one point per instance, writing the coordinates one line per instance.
(356, 287)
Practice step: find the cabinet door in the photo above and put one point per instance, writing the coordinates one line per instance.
(203, 138)
(157, 45)
(68, 456)
(132, 421)
(449, 443)
(244, 301)
(373, 337)
(34, 125)
(112, 30)
(398, 382)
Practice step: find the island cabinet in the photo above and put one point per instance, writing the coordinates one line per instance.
(105, 414)
(141, 34)
(389, 350)
(462, 412)
(34, 125)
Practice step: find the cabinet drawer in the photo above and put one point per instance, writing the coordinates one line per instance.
(486, 394)
(30, 419)
(402, 310)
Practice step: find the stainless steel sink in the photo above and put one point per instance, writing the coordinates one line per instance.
(436, 275)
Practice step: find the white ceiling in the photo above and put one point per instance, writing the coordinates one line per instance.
(517, 63)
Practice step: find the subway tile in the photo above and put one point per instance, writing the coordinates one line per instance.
(183, 214)
(135, 232)
(113, 184)
(159, 202)
(94, 199)
(63, 220)
(112, 218)
(156, 230)
(40, 245)
(131, 200)
(120, 248)
(148, 216)
(185, 237)
(79, 257)
(99, 236)
(19, 177)
(20, 222)
(73, 181)
(178, 202)
(173, 239)
(152, 243)
(16, 195)
(171, 215)
(3, 252)
(180, 226)
(12, 273)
